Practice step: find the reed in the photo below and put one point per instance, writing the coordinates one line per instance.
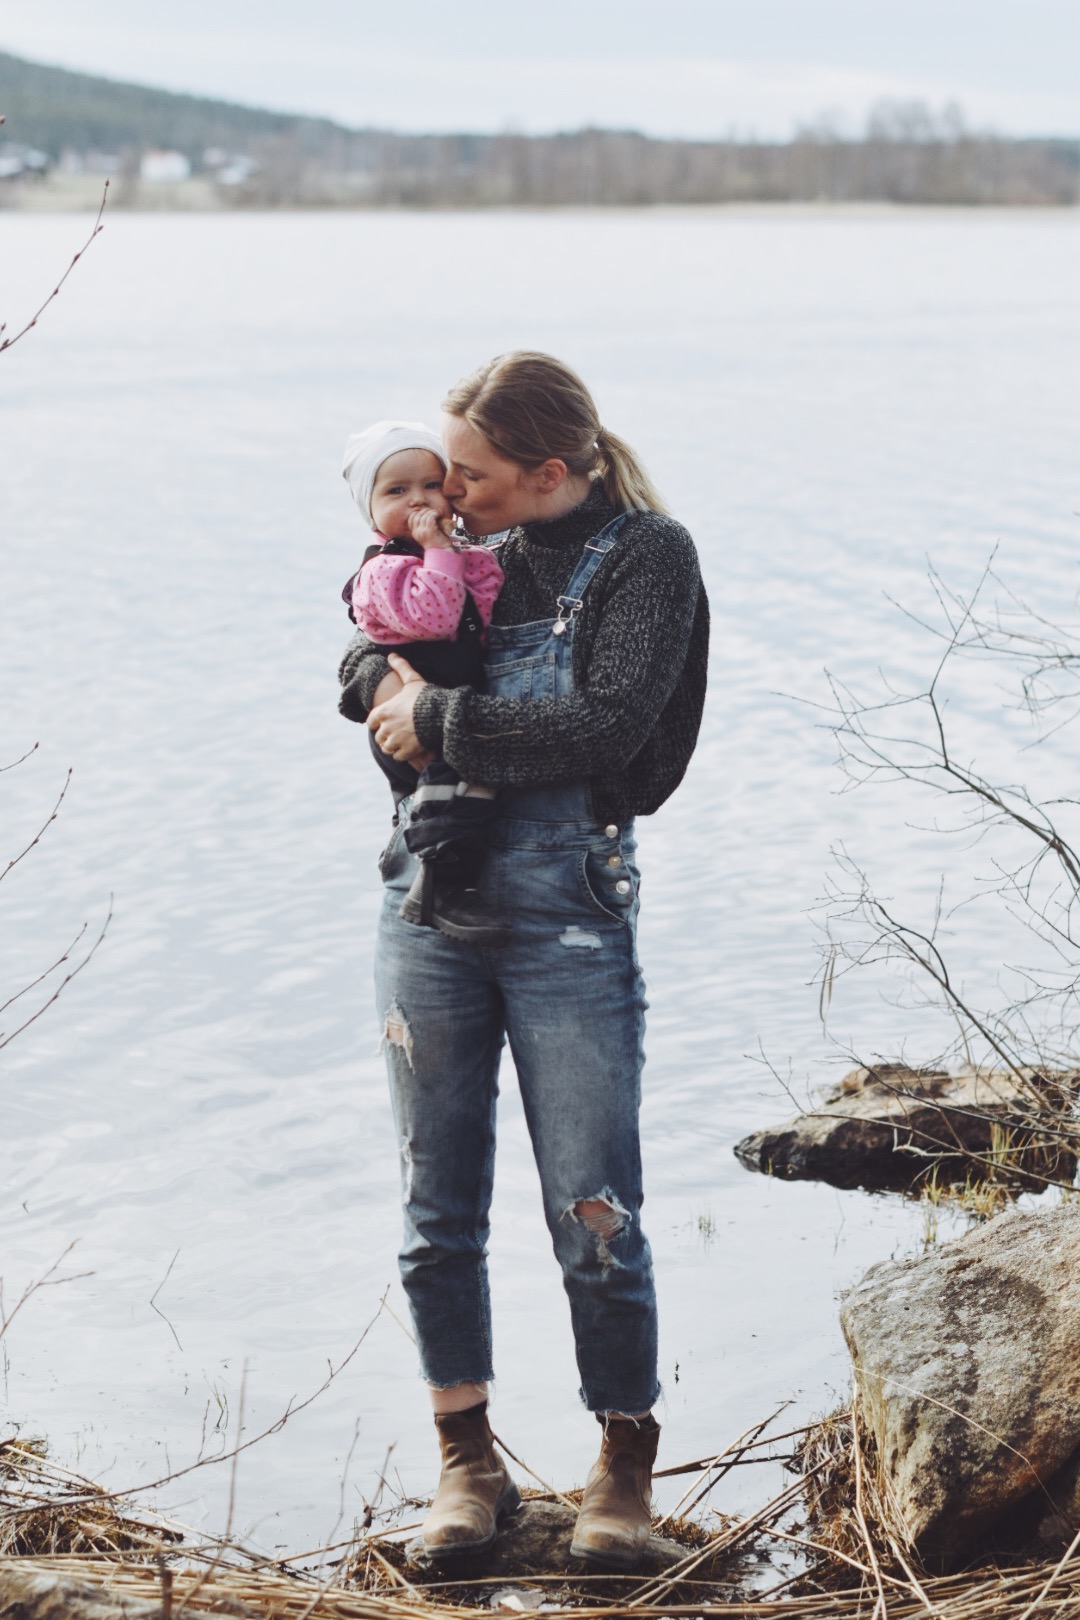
(855, 1563)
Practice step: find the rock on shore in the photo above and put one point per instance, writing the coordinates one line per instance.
(968, 1372)
(885, 1126)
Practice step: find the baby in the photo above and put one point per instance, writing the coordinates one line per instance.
(420, 594)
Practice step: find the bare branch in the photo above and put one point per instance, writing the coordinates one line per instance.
(9, 342)
(48, 1279)
(908, 737)
(6, 1039)
(29, 751)
(43, 829)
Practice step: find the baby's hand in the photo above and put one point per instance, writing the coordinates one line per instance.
(431, 530)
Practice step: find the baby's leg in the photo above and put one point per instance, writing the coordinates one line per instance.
(447, 820)
(447, 812)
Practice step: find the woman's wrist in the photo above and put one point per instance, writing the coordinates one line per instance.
(429, 716)
(360, 672)
(370, 675)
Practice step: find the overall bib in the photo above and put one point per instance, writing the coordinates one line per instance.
(566, 992)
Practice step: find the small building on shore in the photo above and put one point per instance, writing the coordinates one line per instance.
(161, 168)
(21, 162)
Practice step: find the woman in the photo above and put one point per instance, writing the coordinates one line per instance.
(595, 684)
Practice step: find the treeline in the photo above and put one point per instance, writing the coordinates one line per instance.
(906, 155)
(608, 168)
(59, 111)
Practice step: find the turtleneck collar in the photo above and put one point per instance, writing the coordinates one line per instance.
(573, 528)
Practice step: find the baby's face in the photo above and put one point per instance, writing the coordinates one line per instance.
(407, 482)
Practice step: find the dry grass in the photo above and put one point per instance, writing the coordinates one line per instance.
(37, 1517)
(853, 1525)
(857, 1564)
(983, 1193)
(980, 1198)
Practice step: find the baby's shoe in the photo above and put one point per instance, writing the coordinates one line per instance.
(459, 912)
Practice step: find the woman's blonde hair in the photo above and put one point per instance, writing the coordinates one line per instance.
(530, 408)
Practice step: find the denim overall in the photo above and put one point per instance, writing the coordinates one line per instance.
(566, 992)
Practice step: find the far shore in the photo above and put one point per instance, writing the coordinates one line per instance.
(81, 193)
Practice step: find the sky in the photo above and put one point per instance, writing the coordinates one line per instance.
(668, 67)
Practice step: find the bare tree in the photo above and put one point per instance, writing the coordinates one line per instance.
(1031, 863)
(39, 992)
(44, 988)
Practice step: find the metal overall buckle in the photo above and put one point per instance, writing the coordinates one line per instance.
(569, 608)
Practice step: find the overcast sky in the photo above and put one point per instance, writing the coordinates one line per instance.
(683, 67)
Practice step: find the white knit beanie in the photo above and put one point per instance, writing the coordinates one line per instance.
(365, 453)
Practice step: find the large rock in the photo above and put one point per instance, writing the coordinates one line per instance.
(886, 1127)
(968, 1372)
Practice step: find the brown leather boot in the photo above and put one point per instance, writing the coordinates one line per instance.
(615, 1517)
(475, 1489)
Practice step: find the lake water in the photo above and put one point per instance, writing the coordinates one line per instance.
(828, 400)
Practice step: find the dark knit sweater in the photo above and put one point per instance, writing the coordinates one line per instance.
(640, 652)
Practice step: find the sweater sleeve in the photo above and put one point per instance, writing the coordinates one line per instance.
(361, 669)
(644, 600)
(484, 578)
(404, 598)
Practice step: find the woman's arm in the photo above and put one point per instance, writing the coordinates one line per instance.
(361, 673)
(645, 616)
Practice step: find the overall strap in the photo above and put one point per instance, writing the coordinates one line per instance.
(593, 555)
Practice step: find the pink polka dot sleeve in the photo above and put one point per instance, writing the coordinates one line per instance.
(398, 598)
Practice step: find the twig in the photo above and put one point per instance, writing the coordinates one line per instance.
(5, 1040)
(735, 1451)
(655, 1590)
(881, 1605)
(8, 343)
(291, 1411)
(46, 1280)
(36, 746)
(157, 1291)
(704, 1462)
(46, 824)
(1052, 1577)
(532, 1471)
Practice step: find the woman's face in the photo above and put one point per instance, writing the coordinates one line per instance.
(487, 491)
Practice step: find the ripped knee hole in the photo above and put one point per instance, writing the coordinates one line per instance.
(396, 1032)
(604, 1219)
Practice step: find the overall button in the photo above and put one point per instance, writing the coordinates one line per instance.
(611, 831)
(622, 887)
(614, 860)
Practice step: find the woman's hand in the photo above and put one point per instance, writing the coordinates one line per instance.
(392, 720)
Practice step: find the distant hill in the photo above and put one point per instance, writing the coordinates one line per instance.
(906, 156)
(53, 109)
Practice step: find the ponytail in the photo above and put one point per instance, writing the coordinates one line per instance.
(626, 483)
(530, 408)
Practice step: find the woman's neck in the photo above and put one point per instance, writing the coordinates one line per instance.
(574, 489)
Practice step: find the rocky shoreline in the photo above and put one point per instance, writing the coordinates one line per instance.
(951, 1486)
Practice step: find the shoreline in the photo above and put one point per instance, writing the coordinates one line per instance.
(81, 194)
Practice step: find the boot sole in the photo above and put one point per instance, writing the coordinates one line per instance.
(608, 1559)
(508, 1502)
(483, 934)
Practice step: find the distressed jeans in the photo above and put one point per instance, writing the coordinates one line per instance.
(566, 992)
